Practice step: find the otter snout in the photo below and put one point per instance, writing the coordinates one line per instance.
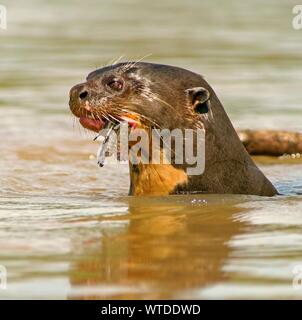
(79, 92)
(78, 96)
(81, 108)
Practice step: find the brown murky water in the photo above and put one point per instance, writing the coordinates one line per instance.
(67, 227)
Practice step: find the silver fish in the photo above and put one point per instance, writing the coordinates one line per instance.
(101, 153)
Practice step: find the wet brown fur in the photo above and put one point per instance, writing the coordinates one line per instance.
(157, 95)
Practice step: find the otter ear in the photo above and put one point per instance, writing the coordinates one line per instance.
(199, 97)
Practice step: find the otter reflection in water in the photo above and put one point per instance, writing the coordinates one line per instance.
(164, 248)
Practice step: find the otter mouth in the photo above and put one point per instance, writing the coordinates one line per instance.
(96, 118)
(93, 124)
(92, 121)
(96, 125)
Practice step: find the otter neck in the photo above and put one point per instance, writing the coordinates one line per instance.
(228, 169)
(155, 179)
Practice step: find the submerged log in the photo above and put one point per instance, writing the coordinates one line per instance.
(271, 142)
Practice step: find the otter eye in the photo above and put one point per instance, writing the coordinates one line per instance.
(115, 84)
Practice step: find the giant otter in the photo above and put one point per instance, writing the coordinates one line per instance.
(170, 97)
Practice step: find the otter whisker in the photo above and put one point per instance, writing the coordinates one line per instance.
(117, 60)
(196, 123)
(149, 94)
(131, 64)
(126, 66)
(122, 110)
(139, 60)
(114, 61)
(103, 115)
(142, 117)
(79, 128)
(73, 123)
(93, 117)
(114, 118)
(151, 121)
(100, 114)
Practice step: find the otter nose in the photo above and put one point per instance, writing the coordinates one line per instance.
(78, 92)
(83, 94)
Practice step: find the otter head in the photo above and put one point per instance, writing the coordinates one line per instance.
(155, 95)
(167, 97)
